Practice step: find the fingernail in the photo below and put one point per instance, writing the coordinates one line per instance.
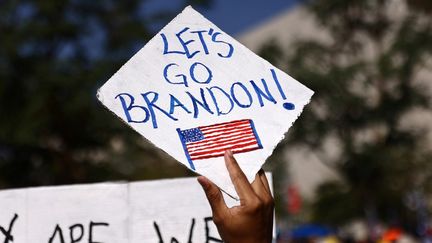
(230, 153)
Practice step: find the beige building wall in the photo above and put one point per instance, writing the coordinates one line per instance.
(306, 170)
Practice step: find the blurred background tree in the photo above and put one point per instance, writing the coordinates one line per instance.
(53, 56)
(367, 84)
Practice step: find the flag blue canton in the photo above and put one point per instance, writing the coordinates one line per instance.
(192, 135)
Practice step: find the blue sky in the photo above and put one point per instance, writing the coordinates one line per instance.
(232, 16)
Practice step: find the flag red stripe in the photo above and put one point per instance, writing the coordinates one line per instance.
(235, 151)
(226, 129)
(223, 149)
(225, 123)
(223, 143)
(221, 153)
(226, 126)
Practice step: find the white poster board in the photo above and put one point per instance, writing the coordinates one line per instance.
(194, 92)
(83, 213)
(151, 211)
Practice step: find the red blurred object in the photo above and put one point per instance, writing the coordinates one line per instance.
(429, 231)
(294, 200)
(392, 234)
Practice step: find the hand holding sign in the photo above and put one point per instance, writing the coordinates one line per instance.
(252, 220)
(195, 92)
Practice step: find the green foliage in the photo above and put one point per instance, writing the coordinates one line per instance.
(365, 76)
(53, 56)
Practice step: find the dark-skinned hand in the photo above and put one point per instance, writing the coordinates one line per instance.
(252, 220)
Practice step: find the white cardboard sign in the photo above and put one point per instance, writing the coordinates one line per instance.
(151, 211)
(195, 92)
(84, 213)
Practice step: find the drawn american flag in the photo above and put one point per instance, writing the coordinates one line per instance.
(211, 141)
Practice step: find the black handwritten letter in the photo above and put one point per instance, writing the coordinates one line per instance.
(8, 233)
(94, 224)
(174, 240)
(60, 232)
(156, 226)
(207, 229)
(74, 239)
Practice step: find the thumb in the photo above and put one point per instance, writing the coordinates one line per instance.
(214, 196)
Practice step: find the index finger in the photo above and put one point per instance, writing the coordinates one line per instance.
(238, 178)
